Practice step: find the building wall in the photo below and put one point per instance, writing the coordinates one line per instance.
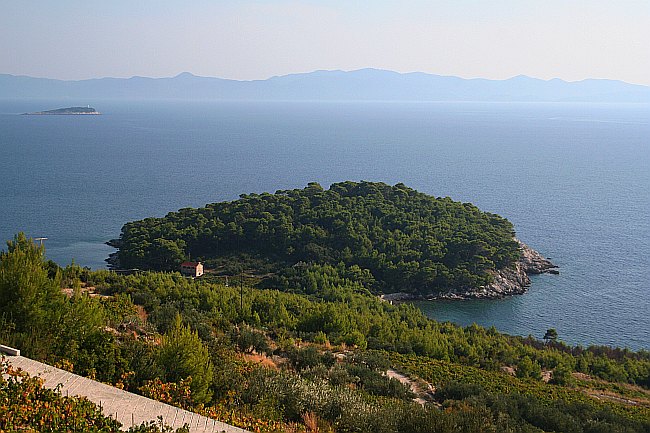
(192, 271)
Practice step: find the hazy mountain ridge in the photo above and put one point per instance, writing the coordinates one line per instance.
(363, 84)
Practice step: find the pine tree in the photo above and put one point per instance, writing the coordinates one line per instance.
(181, 355)
(27, 294)
(551, 335)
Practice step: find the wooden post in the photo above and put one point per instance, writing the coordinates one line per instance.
(241, 292)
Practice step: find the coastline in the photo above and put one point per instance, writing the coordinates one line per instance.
(507, 282)
(68, 111)
(43, 113)
(113, 261)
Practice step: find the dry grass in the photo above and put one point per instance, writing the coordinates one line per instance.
(142, 314)
(262, 360)
(311, 422)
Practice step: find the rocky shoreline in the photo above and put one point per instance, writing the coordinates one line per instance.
(113, 261)
(509, 281)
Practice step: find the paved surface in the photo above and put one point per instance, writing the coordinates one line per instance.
(128, 408)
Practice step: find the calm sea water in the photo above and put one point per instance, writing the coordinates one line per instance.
(574, 179)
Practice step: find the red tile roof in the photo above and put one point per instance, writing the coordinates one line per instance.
(192, 264)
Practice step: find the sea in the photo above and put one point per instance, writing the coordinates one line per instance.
(573, 178)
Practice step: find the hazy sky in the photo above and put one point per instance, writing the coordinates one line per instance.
(246, 39)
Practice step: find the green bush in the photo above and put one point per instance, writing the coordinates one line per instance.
(182, 355)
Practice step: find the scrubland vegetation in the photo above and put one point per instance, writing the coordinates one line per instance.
(272, 361)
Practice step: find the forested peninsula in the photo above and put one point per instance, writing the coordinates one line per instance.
(388, 239)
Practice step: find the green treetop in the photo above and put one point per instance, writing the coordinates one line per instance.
(389, 238)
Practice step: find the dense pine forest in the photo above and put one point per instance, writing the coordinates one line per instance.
(389, 238)
(273, 361)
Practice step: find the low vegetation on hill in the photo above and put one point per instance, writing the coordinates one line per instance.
(388, 238)
(271, 361)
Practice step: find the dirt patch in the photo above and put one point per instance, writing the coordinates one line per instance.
(581, 376)
(639, 396)
(611, 396)
(424, 391)
(89, 290)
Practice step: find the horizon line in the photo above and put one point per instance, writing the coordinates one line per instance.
(187, 73)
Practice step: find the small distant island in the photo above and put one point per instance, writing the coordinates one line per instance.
(66, 111)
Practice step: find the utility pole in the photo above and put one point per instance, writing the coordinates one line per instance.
(241, 291)
(40, 240)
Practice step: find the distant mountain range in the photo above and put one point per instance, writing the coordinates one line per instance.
(363, 84)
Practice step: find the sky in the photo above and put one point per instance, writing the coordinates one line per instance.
(244, 39)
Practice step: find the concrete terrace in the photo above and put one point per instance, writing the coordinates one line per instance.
(128, 408)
